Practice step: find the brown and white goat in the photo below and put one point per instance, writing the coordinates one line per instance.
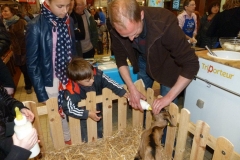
(150, 147)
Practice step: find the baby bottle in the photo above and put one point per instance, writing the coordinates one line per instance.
(145, 105)
(22, 128)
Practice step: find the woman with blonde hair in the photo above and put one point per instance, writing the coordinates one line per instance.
(226, 23)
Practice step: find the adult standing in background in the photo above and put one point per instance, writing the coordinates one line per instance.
(85, 30)
(187, 20)
(154, 34)
(226, 23)
(95, 14)
(102, 17)
(16, 28)
(50, 46)
(205, 22)
(6, 79)
(71, 7)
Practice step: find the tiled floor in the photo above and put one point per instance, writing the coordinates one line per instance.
(22, 96)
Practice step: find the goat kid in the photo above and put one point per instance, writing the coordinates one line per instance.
(150, 147)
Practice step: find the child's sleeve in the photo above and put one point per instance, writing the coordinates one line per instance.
(70, 106)
(113, 85)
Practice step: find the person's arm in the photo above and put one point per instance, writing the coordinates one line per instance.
(121, 60)
(178, 87)
(93, 115)
(135, 95)
(28, 113)
(11, 103)
(93, 32)
(181, 20)
(195, 30)
(70, 106)
(34, 39)
(107, 82)
(19, 149)
(73, 38)
(4, 39)
(79, 30)
(6, 78)
(213, 28)
(184, 56)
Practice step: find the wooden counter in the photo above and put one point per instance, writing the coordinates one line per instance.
(203, 54)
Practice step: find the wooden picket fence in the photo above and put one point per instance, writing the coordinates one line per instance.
(223, 148)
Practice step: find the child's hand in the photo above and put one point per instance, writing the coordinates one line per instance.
(126, 95)
(93, 115)
(29, 115)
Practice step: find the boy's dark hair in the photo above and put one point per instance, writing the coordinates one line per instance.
(79, 69)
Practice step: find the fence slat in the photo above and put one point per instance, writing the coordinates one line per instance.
(182, 134)
(200, 140)
(36, 123)
(171, 131)
(107, 112)
(55, 123)
(150, 99)
(91, 124)
(137, 117)
(223, 150)
(75, 130)
(122, 113)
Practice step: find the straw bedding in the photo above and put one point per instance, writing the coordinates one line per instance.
(122, 145)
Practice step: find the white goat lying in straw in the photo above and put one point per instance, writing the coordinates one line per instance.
(150, 145)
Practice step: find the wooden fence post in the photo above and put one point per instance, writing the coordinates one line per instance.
(223, 150)
(91, 124)
(107, 112)
(199, 140)
(182, 134)
(55, 123)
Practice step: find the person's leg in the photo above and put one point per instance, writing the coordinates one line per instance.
(66, 130)
(53, 92)
(89, 54)
(28, 83)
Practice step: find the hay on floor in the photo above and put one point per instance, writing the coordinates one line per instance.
(122, 145)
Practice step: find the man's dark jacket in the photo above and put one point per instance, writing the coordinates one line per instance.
(168, 54)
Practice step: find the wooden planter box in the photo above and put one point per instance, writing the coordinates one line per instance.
(223, 148)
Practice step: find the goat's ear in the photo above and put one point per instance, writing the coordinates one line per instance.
(168, 118)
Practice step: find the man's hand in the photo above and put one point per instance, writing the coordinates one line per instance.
(28, 113)
(160, 103)
(93, 115)
(134, 98)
